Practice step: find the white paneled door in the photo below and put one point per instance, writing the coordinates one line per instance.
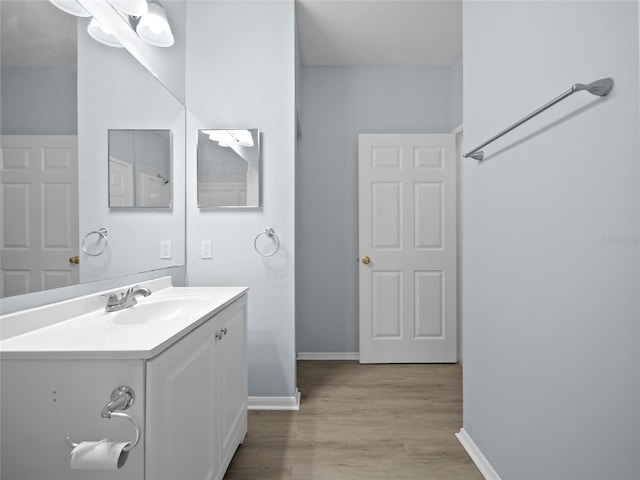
(39, 212)
(408, 248)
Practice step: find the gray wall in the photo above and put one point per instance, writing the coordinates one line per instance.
(456, 93)
(551, 239)
(39, 101)
(240, 74)
(338, 103)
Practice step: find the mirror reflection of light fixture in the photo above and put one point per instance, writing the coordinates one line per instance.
(154, 27)
(136, 8)
(71, 6)
(243, 137)
(226, 138)
(101, 35)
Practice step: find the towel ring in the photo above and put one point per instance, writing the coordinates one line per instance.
(121, 399)
(271, 233)
(102, 233)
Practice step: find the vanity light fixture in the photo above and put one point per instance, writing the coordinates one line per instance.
(135, 8)
(153, 27)
(72, 7)
(103, 36)
(148, 19)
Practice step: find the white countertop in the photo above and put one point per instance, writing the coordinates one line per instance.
(107, 335)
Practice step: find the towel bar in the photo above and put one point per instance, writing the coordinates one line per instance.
(600, 88)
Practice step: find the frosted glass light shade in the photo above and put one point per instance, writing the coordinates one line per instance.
(243, 137)
(101, 35)
(137, 8)
(154, 28)
(72, 7)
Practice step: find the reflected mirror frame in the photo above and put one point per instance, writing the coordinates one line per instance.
(208, 205)
(167, 181)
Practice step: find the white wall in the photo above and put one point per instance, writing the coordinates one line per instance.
(551, 234)
(240, 74)
(338, 103)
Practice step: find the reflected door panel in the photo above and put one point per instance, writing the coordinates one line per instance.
(39, 180)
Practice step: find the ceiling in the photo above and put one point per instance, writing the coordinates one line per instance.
(380, 32)
(331, 32)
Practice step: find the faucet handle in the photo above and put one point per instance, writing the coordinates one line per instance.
(112, 299)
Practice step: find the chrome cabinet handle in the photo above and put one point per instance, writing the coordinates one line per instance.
(223, 331)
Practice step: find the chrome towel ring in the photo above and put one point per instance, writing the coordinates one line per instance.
(102, 234)
(270, 233)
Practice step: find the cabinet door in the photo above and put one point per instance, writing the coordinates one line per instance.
(232, 372)
(181, 441)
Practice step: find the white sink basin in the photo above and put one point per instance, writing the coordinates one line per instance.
(160, 309)
(81, 329)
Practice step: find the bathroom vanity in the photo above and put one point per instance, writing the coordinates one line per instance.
(183, 352)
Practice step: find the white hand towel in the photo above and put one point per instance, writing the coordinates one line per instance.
(100, 455)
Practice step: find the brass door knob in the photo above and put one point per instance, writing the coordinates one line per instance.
(75, 260)
(366, 260)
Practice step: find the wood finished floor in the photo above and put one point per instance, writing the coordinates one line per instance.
(391, 422)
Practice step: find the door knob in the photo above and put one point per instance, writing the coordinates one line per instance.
(75, 260)
(366, 260)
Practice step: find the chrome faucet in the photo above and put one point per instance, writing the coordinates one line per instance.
(127, 299)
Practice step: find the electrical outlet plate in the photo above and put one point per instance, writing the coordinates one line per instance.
(165, 248)
(205, 249)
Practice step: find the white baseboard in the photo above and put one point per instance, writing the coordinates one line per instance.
(328, 356)
(275, 403)
(476, 455)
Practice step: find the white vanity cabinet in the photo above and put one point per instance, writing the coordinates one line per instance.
(188, 371)
(196, 406)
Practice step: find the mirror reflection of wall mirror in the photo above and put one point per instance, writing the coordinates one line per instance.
(228, 168)
(140, 168)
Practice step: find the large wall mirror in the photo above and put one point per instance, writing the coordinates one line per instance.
(228, 168)
(61, 93)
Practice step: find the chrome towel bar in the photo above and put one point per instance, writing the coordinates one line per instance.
(600, 88)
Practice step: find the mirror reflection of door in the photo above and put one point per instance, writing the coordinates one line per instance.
(39, 179)
(140, 168)
(120, 183)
